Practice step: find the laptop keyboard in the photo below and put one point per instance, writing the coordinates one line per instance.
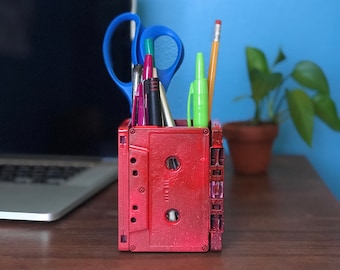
(28, 174)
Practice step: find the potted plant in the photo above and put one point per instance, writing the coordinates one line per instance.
(275, 102)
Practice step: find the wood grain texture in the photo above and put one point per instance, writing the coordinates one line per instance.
(286, 219)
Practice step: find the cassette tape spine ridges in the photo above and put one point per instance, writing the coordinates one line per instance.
(216, 181)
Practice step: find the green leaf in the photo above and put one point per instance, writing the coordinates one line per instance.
(325, 109)
(262, 83)
(311, 76)
(302, 113)
(256, 60)
(280, 57)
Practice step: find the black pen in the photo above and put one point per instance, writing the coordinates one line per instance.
(154, 101)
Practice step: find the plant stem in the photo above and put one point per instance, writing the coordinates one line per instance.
(257, 115)
(276, 96)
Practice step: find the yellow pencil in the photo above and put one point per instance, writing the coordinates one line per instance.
(213, 63)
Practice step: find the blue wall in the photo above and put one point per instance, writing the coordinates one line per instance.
(304, 29)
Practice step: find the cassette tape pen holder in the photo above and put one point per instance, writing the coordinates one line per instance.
(170, 188)
(170, 172)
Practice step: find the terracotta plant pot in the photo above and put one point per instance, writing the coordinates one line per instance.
(250, 146)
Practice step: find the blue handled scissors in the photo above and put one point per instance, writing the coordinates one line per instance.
(138, 51)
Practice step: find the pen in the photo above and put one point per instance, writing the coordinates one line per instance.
(213, 63)
(149, 49)
(169, 120)
(153, 99)
(136, 81)
(147, 74)
(148, 67)
(199, 94)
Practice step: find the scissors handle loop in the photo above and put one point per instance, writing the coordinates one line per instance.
(154, 32)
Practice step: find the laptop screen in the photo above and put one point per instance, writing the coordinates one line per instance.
(56, 96)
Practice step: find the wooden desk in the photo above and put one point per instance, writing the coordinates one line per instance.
(284, 220)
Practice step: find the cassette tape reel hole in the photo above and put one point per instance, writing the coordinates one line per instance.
(173, 163)
(172, 215)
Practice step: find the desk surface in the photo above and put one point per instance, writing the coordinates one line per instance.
(286, 219)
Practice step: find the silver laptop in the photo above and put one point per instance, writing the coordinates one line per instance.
(46, 188)
(57, 104)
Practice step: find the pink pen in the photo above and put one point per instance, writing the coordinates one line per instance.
(136, 81)
(147, 67)
(147, 74)
(140, 106)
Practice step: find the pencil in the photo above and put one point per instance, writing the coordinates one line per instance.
(213, 63)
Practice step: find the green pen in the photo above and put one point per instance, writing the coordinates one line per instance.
(200, 96)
